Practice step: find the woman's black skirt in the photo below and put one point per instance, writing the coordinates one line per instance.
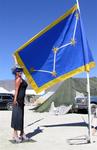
(17, 117)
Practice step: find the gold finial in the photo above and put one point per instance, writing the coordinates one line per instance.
(55, 49)
(73, 42)
(77, 16)
(54, 73)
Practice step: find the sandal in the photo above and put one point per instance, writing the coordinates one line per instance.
(24, 137)
(17, 139)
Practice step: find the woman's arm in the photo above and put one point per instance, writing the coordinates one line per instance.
(17, 85)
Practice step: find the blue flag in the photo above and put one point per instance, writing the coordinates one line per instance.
(58, 52)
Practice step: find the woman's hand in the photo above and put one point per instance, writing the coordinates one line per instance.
(14, 102)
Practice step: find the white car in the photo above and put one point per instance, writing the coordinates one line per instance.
(81, 103)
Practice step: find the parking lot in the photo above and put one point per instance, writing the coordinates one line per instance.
(47, 131)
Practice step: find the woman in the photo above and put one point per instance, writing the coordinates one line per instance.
(17, 122)
(94, 118)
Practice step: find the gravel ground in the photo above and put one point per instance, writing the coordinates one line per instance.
(48, 132)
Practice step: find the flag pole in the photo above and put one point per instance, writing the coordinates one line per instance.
(89, 109)
(78, 5)
(15, 60)
(88, 95)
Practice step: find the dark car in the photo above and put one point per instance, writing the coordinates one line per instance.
(81, 103)
(6, 101)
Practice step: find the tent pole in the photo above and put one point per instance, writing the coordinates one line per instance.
(89, 109)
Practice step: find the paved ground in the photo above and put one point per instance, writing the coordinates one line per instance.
(48, 132)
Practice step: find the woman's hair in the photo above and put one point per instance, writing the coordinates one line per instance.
(16, 69)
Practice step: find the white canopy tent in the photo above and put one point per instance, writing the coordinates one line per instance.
(30, 92)
(3, 90)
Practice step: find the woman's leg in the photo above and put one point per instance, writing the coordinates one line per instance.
(22, 134)
(15, 133)
(94, 124)
(93, 131)
(15, 136)
(22, 130)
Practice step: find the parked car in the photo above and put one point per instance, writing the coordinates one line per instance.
(81, 103)
(6, 101)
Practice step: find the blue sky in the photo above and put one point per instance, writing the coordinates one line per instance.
(22, 19)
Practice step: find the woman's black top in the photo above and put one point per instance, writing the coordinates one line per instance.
(21, 93)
